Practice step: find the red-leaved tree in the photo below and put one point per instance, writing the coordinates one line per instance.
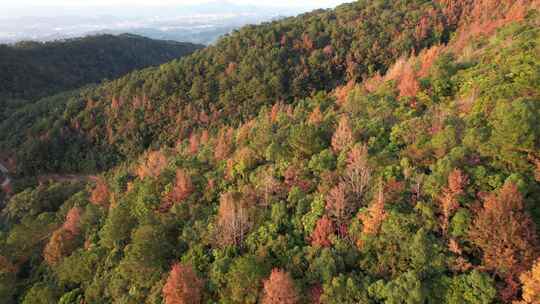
(100, 194)
(63, 240)
(193, 144)
(223, 145)
(506, 236)
(72, 221)
(322, 232)
(279, 288)
(183, 186)
(181, 189)
(449, 200)
(408, 85)
(183, 286)
(315, 294)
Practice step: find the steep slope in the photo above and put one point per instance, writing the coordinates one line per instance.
(229, 82)
(31, 70)
(419, 184)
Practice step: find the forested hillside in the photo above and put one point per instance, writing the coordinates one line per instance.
(229, 82)
(31, 70)
(381, 152)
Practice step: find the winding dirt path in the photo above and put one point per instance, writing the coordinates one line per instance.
(6, 180)
(66, 178)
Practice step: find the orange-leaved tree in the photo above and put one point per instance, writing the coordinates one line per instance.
(374, 216)
(279, 288)
(531, 285)
(183, 186)
(183, 286)
(506, 236)
(153, 165)
(322, 232)
(100, 194)
(449, 200)
(63, 240)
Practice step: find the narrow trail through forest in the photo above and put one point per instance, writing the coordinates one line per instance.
(6, 180)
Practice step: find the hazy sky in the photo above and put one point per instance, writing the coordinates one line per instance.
(30, 3)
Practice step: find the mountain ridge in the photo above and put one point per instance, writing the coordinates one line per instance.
(76, 62)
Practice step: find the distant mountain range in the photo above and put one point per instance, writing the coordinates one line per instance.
(201, 23)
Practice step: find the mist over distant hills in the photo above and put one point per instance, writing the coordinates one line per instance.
(201, 23)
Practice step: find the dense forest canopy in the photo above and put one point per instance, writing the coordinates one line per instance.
(380, 152)
(31, 70)
(258, 65)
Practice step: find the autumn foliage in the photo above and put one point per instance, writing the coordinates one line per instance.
(427, 58)
(193, 144)
(153, 165)
(322, 233)
(273, 180)
(183, 186)
(316, 116)
(372, 219)
(315, 294)
(407, 72)
(506, 235)
(223, 144)
(279, 288)
(373, 83)
(72, 221)
(183, 286)
(448, 201)
(531, 285)
(343, 136)
(408, 85)
(6, 266)
(342, 93)
(63, 240)
(181, 189)
(294, 178)
(486, 16)
(100, 194)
